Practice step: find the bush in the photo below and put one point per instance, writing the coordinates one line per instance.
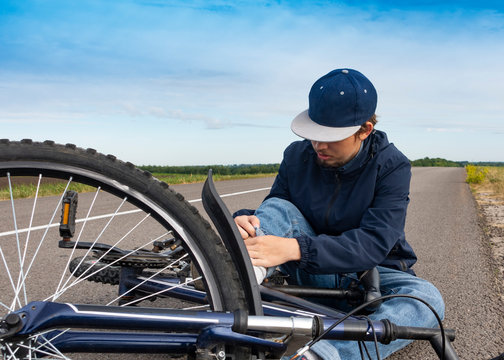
(475, 174)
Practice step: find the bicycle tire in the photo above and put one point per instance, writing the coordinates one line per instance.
(140, 188)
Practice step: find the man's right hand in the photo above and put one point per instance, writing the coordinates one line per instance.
(246, 225)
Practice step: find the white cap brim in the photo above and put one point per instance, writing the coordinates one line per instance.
(306, 128)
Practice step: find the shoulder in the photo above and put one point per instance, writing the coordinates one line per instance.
(387, 156)
(298, 146)
(387, 151)
(298, 151)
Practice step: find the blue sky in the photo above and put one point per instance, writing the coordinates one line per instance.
(218, 82)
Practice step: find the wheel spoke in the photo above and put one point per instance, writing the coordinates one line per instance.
(77, 241)
(7, 271)
(185, 283)
(48, 343)
(25, 274)
(38, 350)
(55, 296)
(14, 218)
(92, 246)
(36, 263)
(197, 307)
(169, 266)
(20, 277)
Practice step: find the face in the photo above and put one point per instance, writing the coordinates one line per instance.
(338, 153)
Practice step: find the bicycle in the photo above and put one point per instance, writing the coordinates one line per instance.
(158, 302)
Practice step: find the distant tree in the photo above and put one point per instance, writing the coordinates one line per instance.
(240, 169)
(488, 163)
(437, 162)
(217, 169)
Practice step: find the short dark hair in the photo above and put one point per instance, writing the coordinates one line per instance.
(373, 120)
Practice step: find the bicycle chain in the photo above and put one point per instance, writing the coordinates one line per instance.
(147, 261)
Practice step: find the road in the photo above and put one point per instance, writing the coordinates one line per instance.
(442, 226)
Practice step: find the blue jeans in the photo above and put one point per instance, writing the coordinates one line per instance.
(281, 218)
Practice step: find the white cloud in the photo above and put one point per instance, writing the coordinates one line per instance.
(225, 66)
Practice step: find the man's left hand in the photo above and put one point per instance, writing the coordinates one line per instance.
(269, 250)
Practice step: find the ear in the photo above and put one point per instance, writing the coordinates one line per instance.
(364, 134)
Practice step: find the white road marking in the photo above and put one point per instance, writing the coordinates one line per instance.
(42, 227)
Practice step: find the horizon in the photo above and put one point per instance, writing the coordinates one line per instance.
(199, 82)
(252, 164)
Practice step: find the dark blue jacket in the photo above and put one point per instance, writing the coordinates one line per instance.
(358, 210)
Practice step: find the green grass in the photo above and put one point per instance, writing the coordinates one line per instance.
(174, 179)
(29, 190)
(47, 189)
(486, 179)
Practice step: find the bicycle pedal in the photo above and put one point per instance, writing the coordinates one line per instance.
(68, 214)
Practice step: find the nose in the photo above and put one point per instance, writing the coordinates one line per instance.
(319, 145)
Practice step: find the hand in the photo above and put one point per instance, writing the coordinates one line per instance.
(246, 225)
(269, 250)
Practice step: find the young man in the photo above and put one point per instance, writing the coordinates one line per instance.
(338, 206)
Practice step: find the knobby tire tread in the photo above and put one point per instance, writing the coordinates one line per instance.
(217, 257)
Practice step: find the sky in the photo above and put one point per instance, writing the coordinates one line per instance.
(218, 82)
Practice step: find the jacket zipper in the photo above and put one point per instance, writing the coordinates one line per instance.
(333, 199)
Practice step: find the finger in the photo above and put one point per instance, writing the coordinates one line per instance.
(253, 254)
(254, 220)
(244, 223)
(249, 228)
(251, 246)
(259, 262)
(243, 233)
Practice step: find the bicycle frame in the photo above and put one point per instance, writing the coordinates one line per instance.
(195, 329)
(273, 322)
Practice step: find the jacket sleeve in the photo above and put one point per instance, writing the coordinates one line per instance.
(368, 245)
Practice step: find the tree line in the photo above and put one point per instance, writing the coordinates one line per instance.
(448, 163)
(273, 168)
(437, 162)
(217, 169)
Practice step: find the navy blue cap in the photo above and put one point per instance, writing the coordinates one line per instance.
(339, 103)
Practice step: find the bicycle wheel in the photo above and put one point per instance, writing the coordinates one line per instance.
(123, 207)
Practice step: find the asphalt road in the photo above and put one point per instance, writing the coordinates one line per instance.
(442, 226)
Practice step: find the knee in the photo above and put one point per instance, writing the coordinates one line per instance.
(434, 298)
(405, 284)
(278, 204)
(275, 208)
(282, 218)
(426, 291)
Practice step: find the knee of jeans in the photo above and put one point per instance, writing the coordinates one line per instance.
(401, 283)
(429, 293)
(280, 204)
(437, 301)
(282, 218)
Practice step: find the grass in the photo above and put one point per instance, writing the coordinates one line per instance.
(486, 179)
(27, 190)
(174, 179)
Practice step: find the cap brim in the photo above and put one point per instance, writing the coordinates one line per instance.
(306, 128)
